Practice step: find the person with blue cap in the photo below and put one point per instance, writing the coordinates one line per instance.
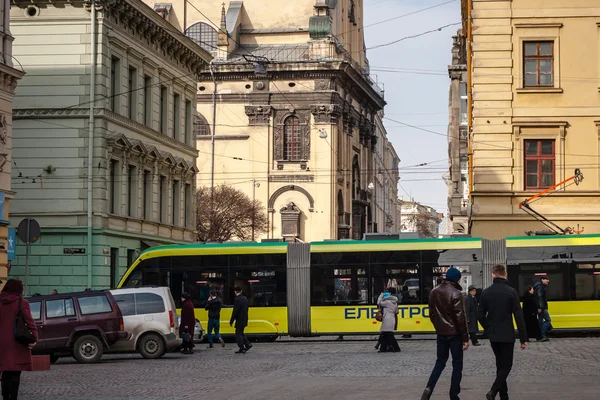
(448, 315)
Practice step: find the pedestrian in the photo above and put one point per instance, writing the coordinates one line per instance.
(188, 319)
(15, 357)
(448, 315)
(499, 304)
(542, 307)
(530, 314)
(213, 306)
(54, 291)
(389, 308)
(240, 317)
(471, 306)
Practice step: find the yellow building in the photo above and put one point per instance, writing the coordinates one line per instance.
(534, 69)
(296, 111)
(9, 77)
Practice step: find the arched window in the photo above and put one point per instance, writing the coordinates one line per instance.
(204, 35)
(201, 127)
(292, 139)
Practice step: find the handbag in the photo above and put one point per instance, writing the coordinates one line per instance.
(379, 316)
(22, 333)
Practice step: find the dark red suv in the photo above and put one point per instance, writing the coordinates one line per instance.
(80, 324)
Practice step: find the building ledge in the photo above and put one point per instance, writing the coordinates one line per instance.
(539, 90)
(223, 137)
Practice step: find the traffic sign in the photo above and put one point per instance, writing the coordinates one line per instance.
(29, 231)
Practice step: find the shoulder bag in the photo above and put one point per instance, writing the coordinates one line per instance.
(22, 333)
(379, 316)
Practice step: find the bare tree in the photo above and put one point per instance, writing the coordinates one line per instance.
(423, 222)
(230, 215)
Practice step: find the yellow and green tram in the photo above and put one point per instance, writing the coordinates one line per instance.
(331, 288)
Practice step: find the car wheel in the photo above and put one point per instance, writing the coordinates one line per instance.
(53, 359)
(151, 346)
(88, 349)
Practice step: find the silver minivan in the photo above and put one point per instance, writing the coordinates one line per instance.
(150, 318)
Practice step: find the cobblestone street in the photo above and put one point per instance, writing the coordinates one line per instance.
(561, 369)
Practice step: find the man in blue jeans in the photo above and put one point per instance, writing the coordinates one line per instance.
(448, 315)
(213, 306)
(542, 304)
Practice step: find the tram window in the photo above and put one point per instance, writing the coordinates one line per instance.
(190, 274)
(529, 274)
(398, 269)
(339, 278)
(150, 272)
(263, 286)
(587, 281)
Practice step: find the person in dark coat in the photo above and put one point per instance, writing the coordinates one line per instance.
(240, 317)
(541, 299)
(14, 356)
(188, 318)
(471, 305)
(213, 306)
(530, 314)
(499, 304)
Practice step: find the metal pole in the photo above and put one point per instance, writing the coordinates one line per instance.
(212, 140)
(90, 159)
(27, 255)
(184, 15)
(253, 208)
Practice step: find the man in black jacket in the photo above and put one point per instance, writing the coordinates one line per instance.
(240, 317)
(498, 304)
(213, 306)
(447, 313)
(542, 303)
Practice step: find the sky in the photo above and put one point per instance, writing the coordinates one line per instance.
(416, 87)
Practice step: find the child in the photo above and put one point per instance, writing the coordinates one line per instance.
(187, 341)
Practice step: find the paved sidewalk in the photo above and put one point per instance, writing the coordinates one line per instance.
(561, 369)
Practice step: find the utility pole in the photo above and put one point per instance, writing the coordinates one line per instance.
(212, 142)
(254, 186)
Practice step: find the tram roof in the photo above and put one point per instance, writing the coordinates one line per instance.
(371, 245)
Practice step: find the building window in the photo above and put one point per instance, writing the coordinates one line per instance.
(187, 123)
(176, 116)
(131, 191)
(204, 35)
(176, 204)
(539, 164)
(187, 201)
(539, 64)
(464, 104)
(162, 199)
(147, 195)
(292, 139)
(132, 81)
(164, 108)
(113, 199)
(202, 128)
(148, 101)
(115, 83)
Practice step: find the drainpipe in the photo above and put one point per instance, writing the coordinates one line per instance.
(470, 94)
(90, 160)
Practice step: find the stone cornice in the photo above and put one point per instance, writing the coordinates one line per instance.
(38, 113)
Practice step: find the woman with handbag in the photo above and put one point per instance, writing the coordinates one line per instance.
(18, 335)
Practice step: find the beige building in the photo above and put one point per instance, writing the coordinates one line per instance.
(295, 111)
(103, 138)
(8, 79)
(535, 69)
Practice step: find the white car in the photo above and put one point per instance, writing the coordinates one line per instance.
(198, 331)
(150, 319)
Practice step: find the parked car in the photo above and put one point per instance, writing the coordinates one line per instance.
(82, 324)
(150, 319)
(198, 330)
